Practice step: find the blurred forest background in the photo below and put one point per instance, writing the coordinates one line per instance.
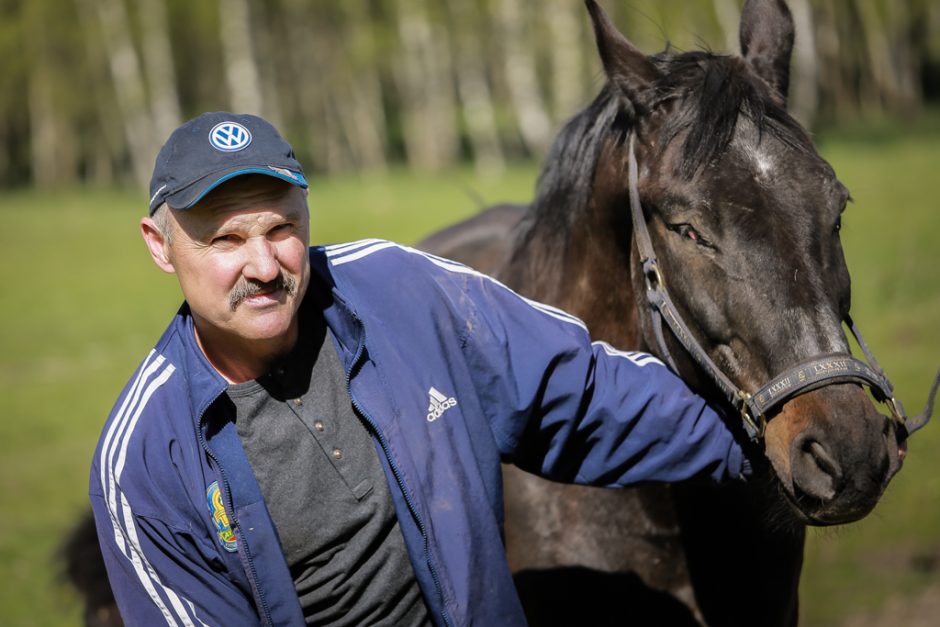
(408, 115)
(89, 89)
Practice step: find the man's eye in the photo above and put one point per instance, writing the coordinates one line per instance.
(225, 239)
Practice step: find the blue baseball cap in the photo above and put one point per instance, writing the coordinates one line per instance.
(208, 150)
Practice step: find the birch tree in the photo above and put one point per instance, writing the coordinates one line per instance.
(241, 68)
(567, 65)
(40, 99)
(425, 88)
(364, 117)
(158, 62)
(522, 81)
(469, 27)
(804, 88)
(128, 83)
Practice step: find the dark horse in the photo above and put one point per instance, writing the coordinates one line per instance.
(745, 217)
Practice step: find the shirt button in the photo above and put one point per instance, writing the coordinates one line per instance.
(298, 402)
(337, 454)
(318, 425)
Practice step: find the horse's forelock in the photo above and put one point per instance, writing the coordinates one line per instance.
(711, 93)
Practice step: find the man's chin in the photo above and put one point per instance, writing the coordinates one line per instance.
(264, 323)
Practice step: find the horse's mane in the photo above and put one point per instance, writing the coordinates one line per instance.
(713, 92)
(565, 182)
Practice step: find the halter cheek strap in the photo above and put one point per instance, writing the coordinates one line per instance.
(809, 375)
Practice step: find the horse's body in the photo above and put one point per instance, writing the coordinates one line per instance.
(745, 216)
(585, 555)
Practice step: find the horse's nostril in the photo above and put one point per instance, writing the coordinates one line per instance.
(823, 460)
(816, 473)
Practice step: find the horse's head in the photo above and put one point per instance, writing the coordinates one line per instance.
(744, 216)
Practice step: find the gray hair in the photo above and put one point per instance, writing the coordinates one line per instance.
(161, 218)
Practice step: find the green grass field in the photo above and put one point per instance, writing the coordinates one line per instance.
(81, 304)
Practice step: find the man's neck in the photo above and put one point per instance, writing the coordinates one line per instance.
(243, 360)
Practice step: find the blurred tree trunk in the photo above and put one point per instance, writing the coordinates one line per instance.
(425, 89)
(241, 68)
(43, 127)
(303, 33)
(884, 85)
(468, 26)
(158, 62)
(832, 82)
(933, 30)
(270, 47)
(522, 79)
(804, 84)
(363, 114)
(567, 70)
(52, 140)
(101, 154)
(129, 87)
(906, 66)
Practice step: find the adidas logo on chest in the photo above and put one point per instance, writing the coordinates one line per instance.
(438, 403)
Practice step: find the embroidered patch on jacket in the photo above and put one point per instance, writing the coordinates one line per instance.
(222, 527)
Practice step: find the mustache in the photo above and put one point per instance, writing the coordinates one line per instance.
(246, 288)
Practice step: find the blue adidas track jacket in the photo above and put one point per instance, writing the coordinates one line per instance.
(185, 532)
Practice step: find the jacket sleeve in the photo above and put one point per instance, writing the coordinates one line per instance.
(161, 574)
(574, 410)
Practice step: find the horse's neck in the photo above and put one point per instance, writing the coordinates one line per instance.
(580, 262)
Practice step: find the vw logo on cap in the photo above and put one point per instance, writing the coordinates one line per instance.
(229, 137)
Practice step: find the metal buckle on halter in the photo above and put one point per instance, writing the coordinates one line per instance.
(755, 427)
(897, 410)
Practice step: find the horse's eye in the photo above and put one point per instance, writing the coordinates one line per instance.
(688, 232)
(838, 226)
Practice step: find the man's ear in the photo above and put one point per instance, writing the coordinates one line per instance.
(157, 245)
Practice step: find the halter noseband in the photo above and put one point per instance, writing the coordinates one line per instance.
(809, 375)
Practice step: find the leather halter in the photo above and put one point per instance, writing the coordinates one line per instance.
(809, 375)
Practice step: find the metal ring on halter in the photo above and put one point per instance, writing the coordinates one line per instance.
(652, 271)
(757, 427)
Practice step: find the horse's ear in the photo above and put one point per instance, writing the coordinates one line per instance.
(767, 41)
(625, 65)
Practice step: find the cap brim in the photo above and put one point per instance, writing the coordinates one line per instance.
(189, 196)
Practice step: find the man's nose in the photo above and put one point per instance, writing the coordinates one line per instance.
(262, 264)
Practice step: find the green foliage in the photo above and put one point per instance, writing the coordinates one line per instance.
(82, 304)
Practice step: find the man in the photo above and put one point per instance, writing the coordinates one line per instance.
(317, 436)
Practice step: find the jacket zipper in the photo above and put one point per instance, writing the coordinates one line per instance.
(252, 573)
(391, 462)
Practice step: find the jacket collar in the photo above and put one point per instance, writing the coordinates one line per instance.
(340, 314)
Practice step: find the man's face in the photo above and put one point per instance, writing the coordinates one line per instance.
(241, 258)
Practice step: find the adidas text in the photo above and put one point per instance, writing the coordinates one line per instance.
(439, 403)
